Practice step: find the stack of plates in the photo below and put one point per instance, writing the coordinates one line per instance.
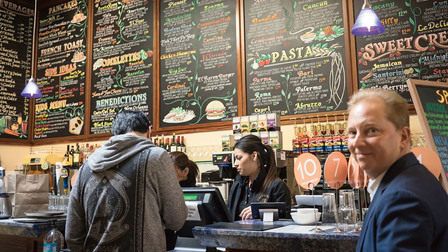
(40, 216)
(45, 214)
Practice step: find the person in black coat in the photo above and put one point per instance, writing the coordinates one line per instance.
(257, 179)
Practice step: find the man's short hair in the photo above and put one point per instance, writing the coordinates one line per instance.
(129, 120)
(396, 106)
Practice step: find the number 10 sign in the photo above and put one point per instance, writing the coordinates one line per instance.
(307, 171)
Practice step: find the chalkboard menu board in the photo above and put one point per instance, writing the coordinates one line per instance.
(61, 70)
(414, 45)
(431, 102)
(122, 60)
(16, 36)
(295, 56)
(198, 62)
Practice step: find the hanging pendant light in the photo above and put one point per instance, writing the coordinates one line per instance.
(31, 89)
(367, 22)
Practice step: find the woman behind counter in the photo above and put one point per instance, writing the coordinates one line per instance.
(186, 170)
(257, 179)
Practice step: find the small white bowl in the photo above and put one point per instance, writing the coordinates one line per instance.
(307, 210)
(305, 219)
(308, 37)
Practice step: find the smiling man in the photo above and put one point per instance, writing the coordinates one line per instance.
(409, 206)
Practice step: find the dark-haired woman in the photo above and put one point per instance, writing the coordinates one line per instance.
(257, 179)
(186, 170)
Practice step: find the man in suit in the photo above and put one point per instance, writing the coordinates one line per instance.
(409, 207)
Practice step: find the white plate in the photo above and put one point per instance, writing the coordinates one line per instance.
(190, 115)
(30, 220)
(44, 214)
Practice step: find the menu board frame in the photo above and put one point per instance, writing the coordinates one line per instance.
(16, 118)
(200, 125)
(347, 64)
(414, 86)
(411, 15)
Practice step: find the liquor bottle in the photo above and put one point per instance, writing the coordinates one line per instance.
(304, 141)
(81, 154)
(167, 144)
(156, 141)
(173, 146)
(296, 141)
(344, 137)
(76, 157)
(72, 154)
(313, 138)
(85, 153)
(183, 147)
(67, 154)
(329, 137)
(320, 136)
(162, 142)
(178, 146)
(337, 140)
(54, 240)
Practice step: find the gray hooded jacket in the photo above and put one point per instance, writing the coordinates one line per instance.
(122, 198)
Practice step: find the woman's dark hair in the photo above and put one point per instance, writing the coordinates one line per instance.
(182, 161)
(130, 120)
(250, 144)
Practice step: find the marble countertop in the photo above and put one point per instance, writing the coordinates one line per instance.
(29, 229)
(282, 235)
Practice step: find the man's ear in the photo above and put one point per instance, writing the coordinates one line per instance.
(405, 137)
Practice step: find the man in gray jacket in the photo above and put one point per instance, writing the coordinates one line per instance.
(125, 193)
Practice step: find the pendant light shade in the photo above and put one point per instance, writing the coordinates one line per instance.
(31, 90)
(367, 22)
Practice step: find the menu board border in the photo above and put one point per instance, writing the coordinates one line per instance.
(200, 127)
(347, 14)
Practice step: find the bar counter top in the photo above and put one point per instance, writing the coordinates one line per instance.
(283, 235)
(18, 236)
(29, 229)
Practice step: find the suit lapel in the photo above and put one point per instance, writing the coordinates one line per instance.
(390, 175)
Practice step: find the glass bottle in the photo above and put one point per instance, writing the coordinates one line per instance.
(337, 138)
(183, 146)
(344, 137)
(320, 133)
(329, 138)
(173, 146)
(167, 144)
(313, 138)
(304, 140)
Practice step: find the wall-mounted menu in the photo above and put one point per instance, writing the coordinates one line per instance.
(198, 62)
(431, 103)
(122, 60)
(16, 35)
(61, 70)
(295, 56)
(414, 45)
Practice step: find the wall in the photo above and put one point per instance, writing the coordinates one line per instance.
(11, 156)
